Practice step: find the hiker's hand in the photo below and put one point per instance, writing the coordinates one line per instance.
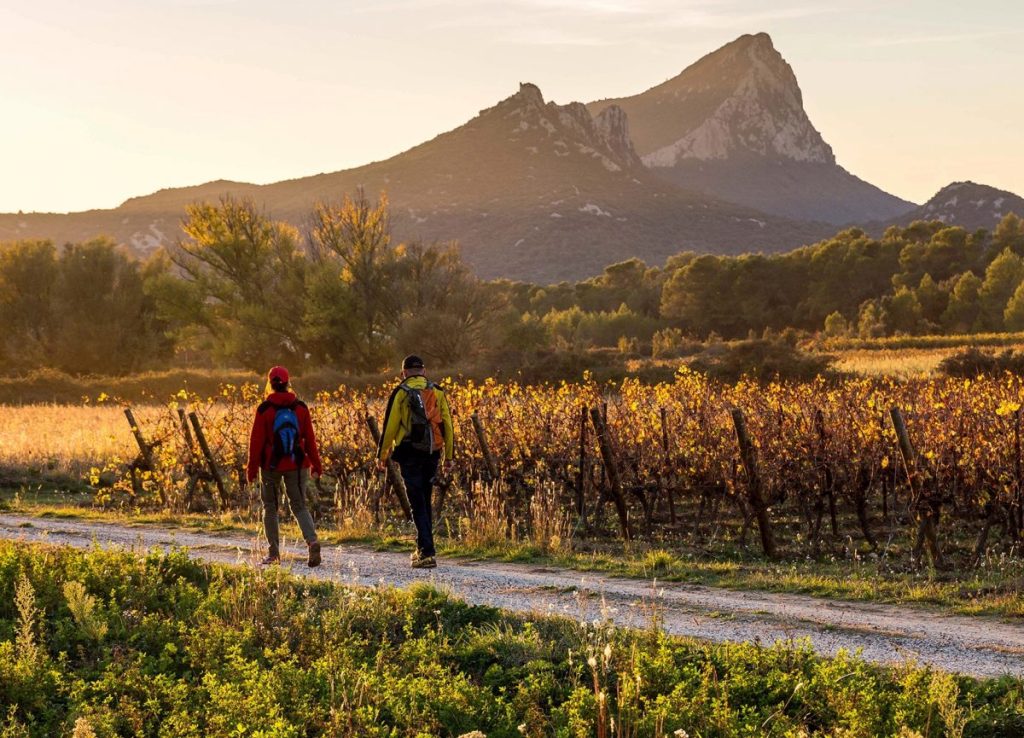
(381, 465)
(446, 466)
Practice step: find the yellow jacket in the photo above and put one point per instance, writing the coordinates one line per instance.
(398, 419)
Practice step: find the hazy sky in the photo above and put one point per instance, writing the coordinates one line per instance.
(107, 99)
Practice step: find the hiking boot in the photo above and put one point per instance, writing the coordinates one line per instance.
(272, 558)
(424, 562)
(314, 554)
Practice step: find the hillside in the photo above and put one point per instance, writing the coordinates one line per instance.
(966, 204)
(530, 189)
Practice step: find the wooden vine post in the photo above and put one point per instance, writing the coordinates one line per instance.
(145, 450)
(144, 461)
(196, 474)
(581, 471)
(485, 449)
(665, 449)
(222, 497)
(748, 456)
(828, 478)
(926, 512)
(394, 474)
(612, 472)
(1017, 510)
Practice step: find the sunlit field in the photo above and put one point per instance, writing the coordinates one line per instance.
(904, 357)
(66, 439)
(901, 363)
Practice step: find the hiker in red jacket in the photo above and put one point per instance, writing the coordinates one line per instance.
(282, 445)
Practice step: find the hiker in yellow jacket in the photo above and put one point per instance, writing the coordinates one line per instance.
(419, 436)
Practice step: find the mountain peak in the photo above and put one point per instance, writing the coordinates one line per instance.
(530, 94)
(761, 39)
(559, 129)
(733, 124)
(751, 104)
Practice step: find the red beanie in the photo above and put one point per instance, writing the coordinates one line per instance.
(278, 375)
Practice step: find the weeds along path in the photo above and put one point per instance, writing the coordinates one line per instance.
(980, 647)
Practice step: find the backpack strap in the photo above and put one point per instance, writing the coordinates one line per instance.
(266, 404)
(410, 390)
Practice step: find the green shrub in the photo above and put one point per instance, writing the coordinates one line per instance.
(104, 643)
(974, 362)
(761, 360)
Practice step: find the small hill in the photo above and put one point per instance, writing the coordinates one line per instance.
(966, 204)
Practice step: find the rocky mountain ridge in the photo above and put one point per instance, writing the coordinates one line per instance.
(721, 158)
(733, 124)
(532, 190)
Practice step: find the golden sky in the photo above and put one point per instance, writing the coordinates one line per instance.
(107, 99)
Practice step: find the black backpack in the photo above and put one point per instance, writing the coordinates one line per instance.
(421, 434)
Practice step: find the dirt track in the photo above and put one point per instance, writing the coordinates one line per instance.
(980, 647)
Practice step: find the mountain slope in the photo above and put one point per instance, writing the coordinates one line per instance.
(733, 124)
(532, 190)
(966, 204)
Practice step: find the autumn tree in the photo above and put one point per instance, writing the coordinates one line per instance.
(244, 285)
(352, 302)
(28, 276)
(964, 307)
(104, 322)
(1001, 279)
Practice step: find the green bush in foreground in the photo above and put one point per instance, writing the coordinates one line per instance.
(106, 643)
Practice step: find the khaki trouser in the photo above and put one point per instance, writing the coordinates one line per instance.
(295, 486)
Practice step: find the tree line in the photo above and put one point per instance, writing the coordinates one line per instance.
(244, 290)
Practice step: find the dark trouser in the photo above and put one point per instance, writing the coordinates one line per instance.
(418, 470)
(295, 486)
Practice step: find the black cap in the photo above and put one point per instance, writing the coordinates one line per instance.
(412, 361)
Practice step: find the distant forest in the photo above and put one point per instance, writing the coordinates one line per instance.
(243, 290)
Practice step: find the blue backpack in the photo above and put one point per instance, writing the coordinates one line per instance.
(286, 435)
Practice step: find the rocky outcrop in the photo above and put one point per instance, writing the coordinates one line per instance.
(733, 124)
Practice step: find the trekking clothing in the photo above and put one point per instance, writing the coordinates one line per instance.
(292, 464)
(295, 486)
(418, 471)
(422, 562)
(418, 458)
(314, 554)
(261, 439)
(272, 557)
(398, 418)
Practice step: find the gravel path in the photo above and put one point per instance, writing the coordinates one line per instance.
(977, 646)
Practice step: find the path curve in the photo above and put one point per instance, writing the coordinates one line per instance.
(977, 646)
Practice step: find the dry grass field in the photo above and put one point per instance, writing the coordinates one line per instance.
(901, 363)
(66, 439)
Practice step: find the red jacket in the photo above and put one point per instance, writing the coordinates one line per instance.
(261, 440)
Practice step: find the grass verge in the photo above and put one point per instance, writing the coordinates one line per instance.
(104, 643)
